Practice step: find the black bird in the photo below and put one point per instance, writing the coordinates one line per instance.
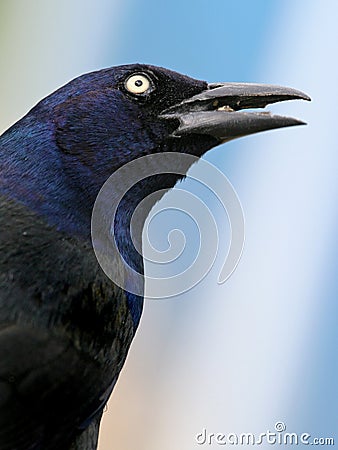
(65, 327)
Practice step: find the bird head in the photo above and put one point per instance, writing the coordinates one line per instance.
(106, 118)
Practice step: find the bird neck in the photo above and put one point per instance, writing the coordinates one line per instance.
(63, 191)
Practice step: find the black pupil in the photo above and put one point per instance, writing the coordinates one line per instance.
(138, 83)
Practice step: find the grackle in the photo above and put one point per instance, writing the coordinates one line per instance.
(65, 327)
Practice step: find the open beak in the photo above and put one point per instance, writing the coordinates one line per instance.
(218, 111)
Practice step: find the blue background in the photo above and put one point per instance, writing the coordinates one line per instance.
(262, 347)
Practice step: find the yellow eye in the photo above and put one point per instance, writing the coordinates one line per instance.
(138, 84)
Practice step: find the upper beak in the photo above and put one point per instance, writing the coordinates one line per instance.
(217, 110)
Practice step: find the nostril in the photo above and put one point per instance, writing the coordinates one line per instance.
(215, 85)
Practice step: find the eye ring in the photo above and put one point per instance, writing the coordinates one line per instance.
(138, 84)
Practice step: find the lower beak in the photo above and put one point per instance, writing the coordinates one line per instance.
(218, 111)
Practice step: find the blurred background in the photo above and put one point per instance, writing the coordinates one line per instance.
(261, 348)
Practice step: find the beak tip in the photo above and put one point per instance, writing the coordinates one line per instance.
(294, 121)
(288, 121)
(305, 97)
